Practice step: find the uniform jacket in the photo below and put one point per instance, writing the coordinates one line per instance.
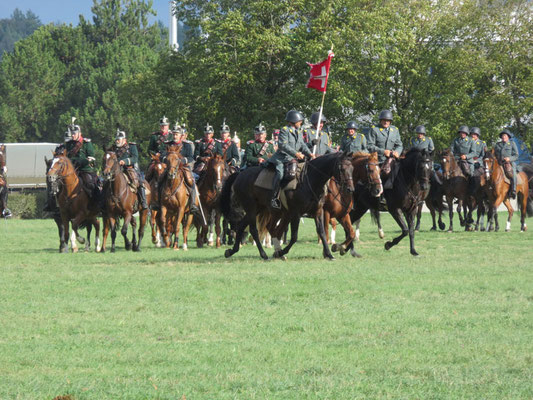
(157, 144)
(381, 139)
(478, 150)
(506, 149)
(202, 148)
(188, 150)
(127, 153)
(81, 154)
(353, 144)
(322, 147)
(232, 152)
(185, 152)
(461, 147)
(253, 148)
(290, 142)
(426, 143)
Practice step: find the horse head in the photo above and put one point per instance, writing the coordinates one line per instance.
(344, 172)
(423, 169)
(173, 162)
(215, 169)
(160, 168)
(373, 173)
(109, 165)
(448, 160)
(3, 168)
(60, 169)
(489, 162)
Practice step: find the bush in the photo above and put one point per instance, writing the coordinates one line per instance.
(27, 205)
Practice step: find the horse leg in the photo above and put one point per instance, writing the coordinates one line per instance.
(124, 230)
(96, 224)
(73, 234)
(143, 217)
(162, 214)
(186, 227)
(432, 211)
(410, 225)
(105, 233)
(522, 202)
(282, 229)
(113, 223)
(346, 223)
(319, 222)
(179, 219)
(333, 223)
(397, 215)
(377, 218)
(217, 228)
(88, 241)
(63, 246)
(133, 233)
(449, 200)
(252, 222)
(241, 226)
(510, 210)
(418, 217)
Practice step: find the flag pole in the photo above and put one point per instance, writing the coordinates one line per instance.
(322, 106)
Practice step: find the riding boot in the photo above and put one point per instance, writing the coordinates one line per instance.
(141, 193)
(192, 200)
(276, 186)
(436, 177)
(512, 187)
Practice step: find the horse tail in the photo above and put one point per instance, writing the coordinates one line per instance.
(262, 220)
(224, 199)
(529, 206)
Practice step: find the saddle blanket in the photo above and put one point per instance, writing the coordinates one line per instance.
(519, 180)
(264, 179)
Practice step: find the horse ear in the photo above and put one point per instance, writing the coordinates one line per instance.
(3, 147)
(46, 160)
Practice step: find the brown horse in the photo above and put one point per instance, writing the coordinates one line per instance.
(497, 189)
(455, 186)
(338, 203)
(121, 202)
(159, 172)
(3, 182)
(74, 203)
(175, 200)
(209, 187)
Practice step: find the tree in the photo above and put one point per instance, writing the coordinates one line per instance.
(17, 27)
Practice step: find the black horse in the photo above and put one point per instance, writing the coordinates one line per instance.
(244, 202)
(409, 189)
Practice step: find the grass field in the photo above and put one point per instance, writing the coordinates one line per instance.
(454, 323)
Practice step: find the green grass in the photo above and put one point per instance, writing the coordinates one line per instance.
(454, 323)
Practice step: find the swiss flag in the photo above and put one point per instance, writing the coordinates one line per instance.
(318, 76)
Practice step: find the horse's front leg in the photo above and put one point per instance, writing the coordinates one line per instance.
(124, 230)
(162, 217)
(143, 217)
(418, 217)
(63, 246)
(449, 200)
(186, 227)
(179, 219)
(105, 233)
(113, 225)
(89, 230)
(252, 222)
(241, 226)
(397, 215)
(510, 210)
(411, 226)
(348, 244)
(133, 233)
(217, 228)
(319, 223)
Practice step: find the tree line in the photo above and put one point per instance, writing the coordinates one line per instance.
(442, 63)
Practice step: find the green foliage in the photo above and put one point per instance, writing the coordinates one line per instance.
(17, 27)
(27, 205)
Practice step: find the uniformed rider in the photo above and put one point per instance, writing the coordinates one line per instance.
(188, 146)
(507, 152)
(259, 150)
(353, 141)
(128, 159)
(290, 146)
(203, 150)
(479, 147)
(157, 147)
(228, 146)
(318, 142)
(462, 150)
(385, 140)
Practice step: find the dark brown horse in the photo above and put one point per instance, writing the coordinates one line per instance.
(175, 200)
(158, 174)
(73, 201)
(497, 189)
(3, 182)
(121, 202)
(241, 200)
(455, 186)
(339, 202)
(209, 188)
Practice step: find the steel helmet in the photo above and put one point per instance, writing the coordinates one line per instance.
(475, 131)
(164, 121)
(506, 131)
(209, 129)
(294, 116)
(260, 129)
(420, 129)
(351, 125)
(314, 118)
(463, 128)
(120, 134)
(385, 114)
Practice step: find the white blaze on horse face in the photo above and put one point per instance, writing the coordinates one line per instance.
(159, 166)
(5, 169)
(54, 161)
(107, 156)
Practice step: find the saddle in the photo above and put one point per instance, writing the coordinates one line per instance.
(292, 171)
(507, 178)
(132, 178)
(465, 168)
(508, 169)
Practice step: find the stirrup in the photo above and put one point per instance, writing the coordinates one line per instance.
(275, 203)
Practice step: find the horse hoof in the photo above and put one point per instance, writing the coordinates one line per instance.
(342, 251)
(356, 254)
(442, 226)
(449, 230)
(75, 250)
(414, 253)
(102, 250)
(388, 245)
(433, 229)
(112, 250)
(81, 240)
(334, 247)
(381, 234)
(228, 253)
(136, 249)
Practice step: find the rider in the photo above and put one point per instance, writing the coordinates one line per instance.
(225, 144)
(424, 142)
(258, 150)
(157, 147)
(203, 150)
(80, 151)
(353, 141)
(320, 143)
(386, 141)
(128, 159)
(291, 146)
(462, 150)
(507, 152)
(478, 150)
(188, 146)
(187, 158)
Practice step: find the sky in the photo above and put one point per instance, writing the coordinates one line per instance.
(68, 11)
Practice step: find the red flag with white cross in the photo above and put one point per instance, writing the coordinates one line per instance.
(318, 76)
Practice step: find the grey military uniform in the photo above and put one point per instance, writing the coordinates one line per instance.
(478, 151)
(290, 142)
(426, 143)
(381, 139)
(322, 146)
(353, 144)
(507, 149)
(461, 147)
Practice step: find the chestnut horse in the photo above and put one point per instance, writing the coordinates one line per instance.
(121, 202)
(159, 172)
(454, 186)
(74, 203)
(339, 202)
(209, 188)
(497, 189)
(175, 200)
(243, 201)
(3, 182)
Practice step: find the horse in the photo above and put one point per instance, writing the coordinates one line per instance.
(74, 203)
(175, 200)
(497, 189)
(455, 185)
(242, 200)
(434, 203)
(478, 198)
(209, 187)
(3, 182)
(409, 188)
(159, 172)
(121, 202)
(339, 202)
